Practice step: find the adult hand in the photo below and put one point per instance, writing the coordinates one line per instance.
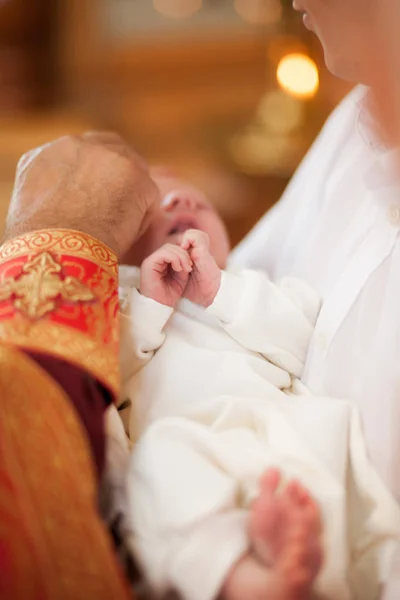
(94, 183)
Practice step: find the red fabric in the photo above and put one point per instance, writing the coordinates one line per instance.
(59, 323)
(60, 298)
(88, 396)
(59, 264)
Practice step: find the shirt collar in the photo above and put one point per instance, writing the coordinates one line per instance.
(368, 125)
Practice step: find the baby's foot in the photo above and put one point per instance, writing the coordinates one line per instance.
(285, 530)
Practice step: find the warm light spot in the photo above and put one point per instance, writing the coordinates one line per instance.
(279, 113)
(281, 45)
(177, 9)
(259, 12)
(298, 75)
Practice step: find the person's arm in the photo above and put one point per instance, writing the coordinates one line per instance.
(275, 320)
(59, 305)
(161, 280)
(142, 322)
(59, 361)
(58, 372)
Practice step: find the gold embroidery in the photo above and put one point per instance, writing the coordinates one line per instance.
(97, 326)
(64, 242)
(69, 344)
(85, 332)
(40, 284)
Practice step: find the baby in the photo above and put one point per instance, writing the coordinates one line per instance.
(211, 360)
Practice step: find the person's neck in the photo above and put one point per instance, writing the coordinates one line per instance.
(384, 112)
(383, 104)
(387, 90)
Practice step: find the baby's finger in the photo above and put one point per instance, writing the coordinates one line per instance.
(176, 262)
(185, 260)
(194, 238)
(180, 260)
(186, 243)
(167, 257)
(173, 256)
(189, 239)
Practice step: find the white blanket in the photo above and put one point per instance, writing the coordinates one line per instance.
(216, 400)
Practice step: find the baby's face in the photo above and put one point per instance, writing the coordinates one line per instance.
(182, 207)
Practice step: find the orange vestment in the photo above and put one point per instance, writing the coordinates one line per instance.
(58, 299)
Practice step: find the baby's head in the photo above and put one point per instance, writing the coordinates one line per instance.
(182, 207)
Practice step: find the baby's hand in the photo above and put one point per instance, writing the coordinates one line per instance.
(165, 273)
(205, 278)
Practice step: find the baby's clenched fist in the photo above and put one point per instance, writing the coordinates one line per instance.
(164, 275)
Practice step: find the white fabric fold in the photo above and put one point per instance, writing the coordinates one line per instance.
(275, 320)
(217, 403)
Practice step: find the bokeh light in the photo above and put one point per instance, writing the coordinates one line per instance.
(279, 113)
(259, 12)
(177, 9)
(297, 74)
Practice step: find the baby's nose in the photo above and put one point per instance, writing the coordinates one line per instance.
(176, 200)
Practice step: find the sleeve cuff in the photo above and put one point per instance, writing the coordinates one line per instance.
(148, 312)
(59, 297)
(142, 322)
(144, 312)
(223, 308)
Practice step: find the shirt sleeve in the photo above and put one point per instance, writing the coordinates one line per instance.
(58, 370)
(276, 321)
(142, 323)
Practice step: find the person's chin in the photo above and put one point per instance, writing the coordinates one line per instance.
(346, 65)
(343, 68)
(335, 66)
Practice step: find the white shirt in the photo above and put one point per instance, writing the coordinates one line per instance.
(337, 226)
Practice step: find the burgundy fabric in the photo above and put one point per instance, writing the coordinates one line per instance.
(88, 396)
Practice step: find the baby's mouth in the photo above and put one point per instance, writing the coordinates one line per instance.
(181, 226)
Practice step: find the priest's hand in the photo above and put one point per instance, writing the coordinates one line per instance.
(94, 183)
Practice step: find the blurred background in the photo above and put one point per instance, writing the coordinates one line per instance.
(230, 93)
